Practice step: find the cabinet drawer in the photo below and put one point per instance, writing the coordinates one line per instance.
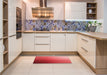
(42, 40)
(87, 42)
(58, 35)
(84, 51)
(42, 34)
(84, 40)
(42, 47)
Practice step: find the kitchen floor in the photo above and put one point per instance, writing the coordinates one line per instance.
(24, 66)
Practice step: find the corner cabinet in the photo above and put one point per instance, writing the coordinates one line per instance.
(75, 10)
(58, 41)
(87, 49)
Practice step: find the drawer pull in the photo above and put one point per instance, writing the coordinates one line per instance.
(84, 49)
(84, 40)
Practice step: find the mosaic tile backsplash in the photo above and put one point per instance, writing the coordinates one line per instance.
(48, 25)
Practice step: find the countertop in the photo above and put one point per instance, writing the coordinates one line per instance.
(96, 35)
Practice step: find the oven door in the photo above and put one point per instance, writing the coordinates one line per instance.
(19, 35)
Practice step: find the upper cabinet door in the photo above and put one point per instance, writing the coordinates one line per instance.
(12, 17)
(1, 24)
(75, 10)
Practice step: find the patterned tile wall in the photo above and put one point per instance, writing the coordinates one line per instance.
(48, 25)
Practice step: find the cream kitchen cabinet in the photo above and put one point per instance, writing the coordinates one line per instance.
(28, 42)
(58, 41)
(1, 16)
(1, 55)
(42, 42)
(12, 48)
(49, 42)
(12, 17)
(19, 45)
(1, 61)
(71, 42)
(1, 30)
(87, 48)
(75, 10)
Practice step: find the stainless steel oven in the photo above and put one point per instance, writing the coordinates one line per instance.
(18, 23)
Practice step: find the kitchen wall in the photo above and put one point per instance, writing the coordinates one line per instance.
(29, 5)
(19, 3)
(57, 4)
(58, 8)
(105, 16)
(23, 15)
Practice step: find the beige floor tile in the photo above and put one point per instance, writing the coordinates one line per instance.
(19, 74)
(41, 68)
(72, 73)
(24, 66)
(41, 73)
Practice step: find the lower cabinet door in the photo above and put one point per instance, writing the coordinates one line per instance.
(58, 42)
(92, 52)
(12, 49)
(71, 42)
(1, 55)
(28, 42)
(1, 62)
(19, 45)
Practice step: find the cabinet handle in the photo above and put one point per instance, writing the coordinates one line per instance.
(84, 49)
(3, 47)
(12, 35)
(85, 40)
